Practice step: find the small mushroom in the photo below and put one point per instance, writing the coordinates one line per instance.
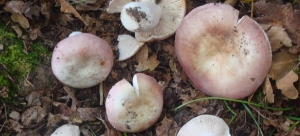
(127, 46)
(67, 130)
(223, 56)
(205, 125)
(134, 108)
(82, 60)
(148, 19)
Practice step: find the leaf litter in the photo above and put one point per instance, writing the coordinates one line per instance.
(44, 109)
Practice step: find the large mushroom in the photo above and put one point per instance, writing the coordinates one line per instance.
(148, 19)
(223, 56)
(205, 125)
(134, 108)
(82, 60)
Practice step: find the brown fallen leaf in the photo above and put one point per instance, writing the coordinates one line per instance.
(20, 19)
(89, 114)
(17, 30)
(285, 13)
(69, 9)
(278, 37)
(268, 91)
(282, 63)
(168, 127)
(16, 7)
(142, 54)
(286, 85)
(151, 63)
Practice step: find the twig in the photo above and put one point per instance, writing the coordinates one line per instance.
(5, 116)
(101, 93)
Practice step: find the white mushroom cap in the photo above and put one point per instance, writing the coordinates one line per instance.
(223, 56)
(127, 46)
(172, 13)
(82, 60)
(67, 130)
(140, 16)
(134, 108)
(205, 125)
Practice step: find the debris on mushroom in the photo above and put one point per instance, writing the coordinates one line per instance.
(223, 56)
(82, 60)
(205, 125)
(134, 108)
(127, 46)
(67, 130)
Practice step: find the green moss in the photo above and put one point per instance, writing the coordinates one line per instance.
(15, 62)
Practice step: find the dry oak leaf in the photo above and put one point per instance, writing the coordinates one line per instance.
(268, 91)
(278, 37)
(289, 17)
(16, 7)
(151, 63)
(282, 63)
(286, 85)
(67, 8)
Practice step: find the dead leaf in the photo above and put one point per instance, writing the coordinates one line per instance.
(168, 127)
(30, 116)
(151, 63)
(283, 13)
(16, 125)
(17, 30)
(67, 8)
(89, 114)
(33, 98)
(268, 90)
(15, 115)
(282, 63)
(20, 19)
(278, 37)
(286, 85)
(142, 54)
(16, 7)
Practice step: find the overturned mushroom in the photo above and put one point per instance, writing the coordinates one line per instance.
(223, 56)
(82, 60)
(134, 108)
(205, 125)
(148, 19)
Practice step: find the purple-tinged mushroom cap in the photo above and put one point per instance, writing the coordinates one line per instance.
(82, 60)
(223, 56)
(134, 108)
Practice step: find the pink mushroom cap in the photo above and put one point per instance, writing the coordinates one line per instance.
(82, 60)
(223, 56)
(134, 108)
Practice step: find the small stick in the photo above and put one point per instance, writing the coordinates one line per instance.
(5, 116)
(101, 93)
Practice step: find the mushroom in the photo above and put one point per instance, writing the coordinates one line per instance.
(134, 108)
(223, 56)
(82, 60)
(127, 46)
(205, 125)
(67, 130)
(148, 19)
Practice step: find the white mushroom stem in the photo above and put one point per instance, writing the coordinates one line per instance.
(140, 16)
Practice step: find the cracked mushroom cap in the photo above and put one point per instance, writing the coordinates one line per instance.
(205, 125)
(134, 108)
(127, 46)
(67, 130)
(82, 60)
(223, 56)
(168, 13)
